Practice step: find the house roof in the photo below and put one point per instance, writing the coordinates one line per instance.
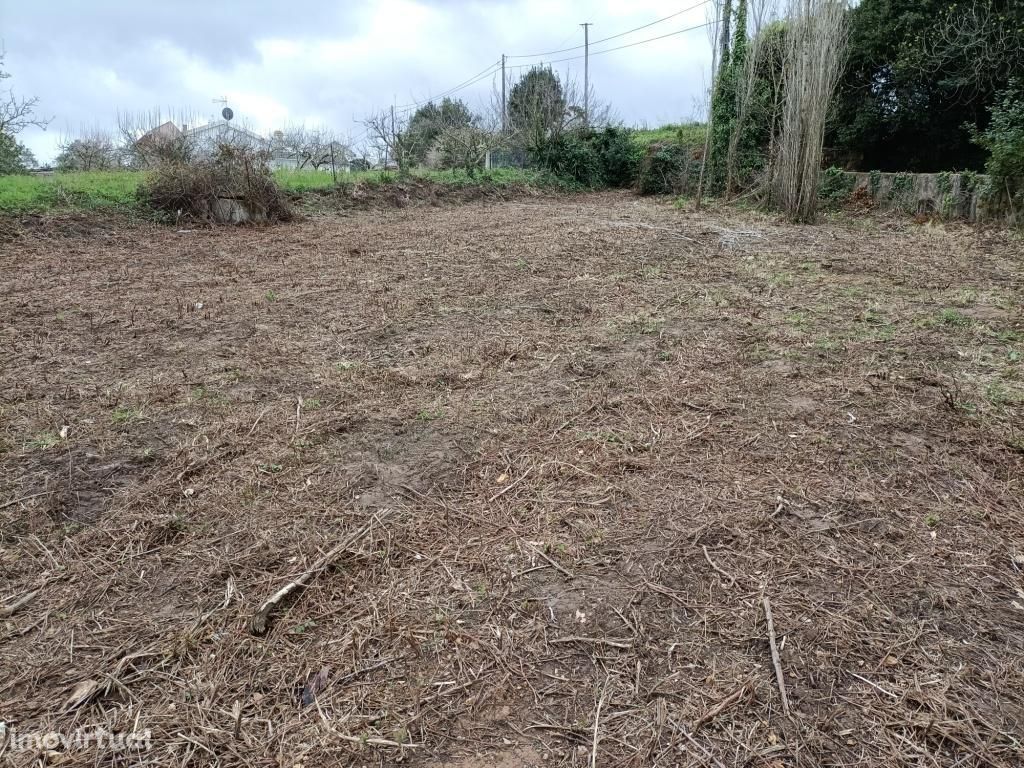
(165, 132)
(223, 126)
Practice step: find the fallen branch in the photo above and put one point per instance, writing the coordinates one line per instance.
(9, 610)
(7, 504)
(776, 661)
(719, 571)
(597, 723)
(579, 415)
(641, 225)
(743, 692)
(568, 574)
(708, 755)
(372, 741)
(616, 643)
(876, 686)
(259, 623)
(510, 486)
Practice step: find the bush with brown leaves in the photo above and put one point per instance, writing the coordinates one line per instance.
(235, 184)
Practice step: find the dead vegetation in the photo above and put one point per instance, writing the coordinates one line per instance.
(234, 184)
(578, 482)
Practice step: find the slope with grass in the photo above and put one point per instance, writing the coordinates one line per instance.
(88, 190)
(687, 134)
(116, 190)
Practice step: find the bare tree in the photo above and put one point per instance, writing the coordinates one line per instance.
(314, 148)
(465, 147)
(152, 137)
(17, 112)
(718, 35)
(388, 132)
(814, 54)
(93, 149)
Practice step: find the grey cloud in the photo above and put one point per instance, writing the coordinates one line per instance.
(86, 61)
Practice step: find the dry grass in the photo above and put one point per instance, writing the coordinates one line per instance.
(581, 440)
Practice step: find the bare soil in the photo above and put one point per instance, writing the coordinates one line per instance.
(586, 440)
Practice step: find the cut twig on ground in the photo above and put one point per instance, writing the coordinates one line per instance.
(724, 574)
(597, 725)
(260, 619)
(776, 660)
(567, 573)
(11, 608)
(745, 691)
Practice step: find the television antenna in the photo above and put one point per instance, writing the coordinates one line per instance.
(227, 113)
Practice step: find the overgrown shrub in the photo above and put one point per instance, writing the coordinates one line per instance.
(209, 188)
(835, 185)
(901, 193)
(875, 182)
(1004, 140)
(619, 156)
(666, 169)
(463, 148)
(573, 156)
(608, 157)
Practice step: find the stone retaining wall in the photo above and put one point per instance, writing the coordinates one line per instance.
(949, 195)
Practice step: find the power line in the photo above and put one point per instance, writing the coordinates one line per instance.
(489, 73)
(610, 37)
(619, 47)
(493, 68)
(489, 69)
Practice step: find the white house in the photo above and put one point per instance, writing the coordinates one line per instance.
(206, 138)
(203, 141)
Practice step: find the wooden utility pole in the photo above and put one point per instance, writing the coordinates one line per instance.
(504, 107)
(586, 73)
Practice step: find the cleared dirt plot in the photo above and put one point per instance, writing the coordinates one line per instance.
(524, 477)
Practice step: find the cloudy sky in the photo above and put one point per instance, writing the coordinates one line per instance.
(332, 63)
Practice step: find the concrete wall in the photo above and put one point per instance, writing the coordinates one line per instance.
(949, 195)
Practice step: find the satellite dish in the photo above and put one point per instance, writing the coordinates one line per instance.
(226, 113)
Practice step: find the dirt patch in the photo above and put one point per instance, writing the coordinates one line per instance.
(525, 757)
(580, 438)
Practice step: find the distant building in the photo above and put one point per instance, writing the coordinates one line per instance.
(160, 135)
(167, 140)
(164, 142)
(205, 139)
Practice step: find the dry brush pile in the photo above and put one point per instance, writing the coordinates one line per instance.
(234, 184)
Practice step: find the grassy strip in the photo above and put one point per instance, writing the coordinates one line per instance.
(84, 191)
(687, 134)
(92, 190)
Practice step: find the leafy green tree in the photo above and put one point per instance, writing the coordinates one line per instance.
(1004, 141)
(430, 120)
(14, 156)
(916, 73)
(538, 110)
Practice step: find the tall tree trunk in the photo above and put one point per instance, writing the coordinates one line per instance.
(723, 59)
